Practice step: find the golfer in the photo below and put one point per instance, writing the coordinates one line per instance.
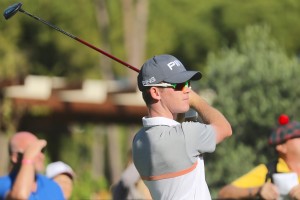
(167, 152)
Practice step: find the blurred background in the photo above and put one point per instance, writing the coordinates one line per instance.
(87, 106)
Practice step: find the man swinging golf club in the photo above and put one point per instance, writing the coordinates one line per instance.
(166, 152)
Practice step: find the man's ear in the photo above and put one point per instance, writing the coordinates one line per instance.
(281, 148)
(155, 93)
(16, 157)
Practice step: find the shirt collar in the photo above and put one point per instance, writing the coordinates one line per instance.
(282, 166)
(156, 121)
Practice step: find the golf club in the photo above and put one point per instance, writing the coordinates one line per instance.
(13, 9)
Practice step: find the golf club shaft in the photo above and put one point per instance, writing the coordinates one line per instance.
(80, 40)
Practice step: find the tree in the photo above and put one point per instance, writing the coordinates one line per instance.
(255, 82)
(187, 29)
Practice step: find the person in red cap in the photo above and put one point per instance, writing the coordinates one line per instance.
(278, 179)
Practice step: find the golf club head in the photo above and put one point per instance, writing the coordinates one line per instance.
(12, 10)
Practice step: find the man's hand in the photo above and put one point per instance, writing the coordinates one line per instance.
(25, 180)
(269, 191)
(34, 149)
(295, 192)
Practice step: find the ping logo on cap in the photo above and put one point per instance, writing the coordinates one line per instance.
(149, 81)
(174, 63)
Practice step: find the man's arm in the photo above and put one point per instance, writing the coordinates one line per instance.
(266, 191)
(233, 192)
(25, 180)
(212, 116)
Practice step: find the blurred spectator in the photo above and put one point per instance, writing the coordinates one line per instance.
(279, 179)
(24, 180)
(63, 174)
(130, 185)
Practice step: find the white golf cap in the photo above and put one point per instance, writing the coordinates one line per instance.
(59, 167)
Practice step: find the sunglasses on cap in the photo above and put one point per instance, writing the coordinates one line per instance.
(175, 86)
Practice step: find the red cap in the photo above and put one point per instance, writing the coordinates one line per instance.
(286, 130)
(283, 119)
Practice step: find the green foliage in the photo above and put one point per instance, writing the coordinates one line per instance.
(86, 186)
(7, 117)
(13, 59)
(38, 49)
(253, 76)
(77, 152)
(191, 29)
(187, 29)
(255, 82)
(79, 149)
(231, 158)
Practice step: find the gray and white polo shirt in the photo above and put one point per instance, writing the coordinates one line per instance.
(167, 155)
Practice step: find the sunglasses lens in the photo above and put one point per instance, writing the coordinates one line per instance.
(181, 86)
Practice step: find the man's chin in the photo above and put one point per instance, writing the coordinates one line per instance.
(186, 109)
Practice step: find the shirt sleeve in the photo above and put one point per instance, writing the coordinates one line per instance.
(254, 178)
(199, 137)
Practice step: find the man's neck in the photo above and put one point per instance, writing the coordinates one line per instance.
(293, 164)
(161, 113)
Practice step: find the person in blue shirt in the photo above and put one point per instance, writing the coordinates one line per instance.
(24, 180)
